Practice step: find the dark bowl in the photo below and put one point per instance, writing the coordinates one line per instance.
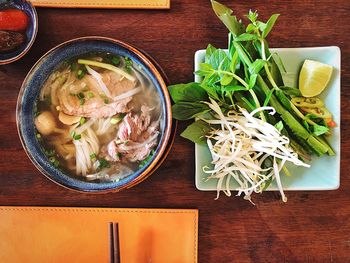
(30, 33)
(30, 91)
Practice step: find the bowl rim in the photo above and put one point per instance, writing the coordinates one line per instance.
(153, 165)
(32, 38)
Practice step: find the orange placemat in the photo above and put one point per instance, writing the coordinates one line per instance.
(54, 234)
(137, 4)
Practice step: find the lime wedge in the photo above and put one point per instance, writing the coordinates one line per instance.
(314, 77)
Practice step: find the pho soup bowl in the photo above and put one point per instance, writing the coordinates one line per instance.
(11, 34)
(85, 132)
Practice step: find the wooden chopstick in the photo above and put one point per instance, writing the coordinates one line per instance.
(114, 246)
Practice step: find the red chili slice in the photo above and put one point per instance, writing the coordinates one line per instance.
(331, 124)
(14, 20)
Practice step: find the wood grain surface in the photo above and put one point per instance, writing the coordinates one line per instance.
(311, 227)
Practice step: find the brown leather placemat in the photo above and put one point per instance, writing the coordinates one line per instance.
(128, 4)
(58, 234)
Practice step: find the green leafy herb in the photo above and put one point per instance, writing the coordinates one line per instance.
(93, 156)
(268, 97)
(54, 161)
(81, 72)
(112, 59)
(128, 64)
(246, 37)
(252, 80)
(35, 110)
(256, 66)
(225, 15)
(117, 119)
(270, 23)
(196, 132)
(103, 163)
(290, 91)
(74, 66)
(75, 136)
(104, 98)
(188, 110)
(115, 60)
(50, 152)
(82, 120)
(80, 95)
(190, 92)
(90, 95)
(147, 159)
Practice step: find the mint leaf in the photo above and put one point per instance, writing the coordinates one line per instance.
(235, 61)
(269, 25)
(226, 79)
(252, 80)
(261, 26)
(256, 66)
(246, 37)
(252, 16)
(250, 28)
(219, 60)
(268, 97)
(233, 88)
(279, 62)
(208, 52)
(225, 15)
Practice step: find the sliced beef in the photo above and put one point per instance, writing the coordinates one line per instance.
(136, 137)
(85, 97)
(116, 83)
(133, 126)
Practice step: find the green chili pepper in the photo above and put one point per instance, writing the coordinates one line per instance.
(319, 112)
(307, 102)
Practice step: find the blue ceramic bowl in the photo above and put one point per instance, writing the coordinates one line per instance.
(31, 31)
(30, 91)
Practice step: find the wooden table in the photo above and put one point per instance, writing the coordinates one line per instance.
(311, 227)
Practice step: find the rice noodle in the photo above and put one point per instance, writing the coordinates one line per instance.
(145, 81)
(241, 146)
(84, 147)
(127, 94)
(85, 126)
(98, 78)
(138, 74)
(103, 126)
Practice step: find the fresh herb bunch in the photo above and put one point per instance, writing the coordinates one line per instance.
(247, 76)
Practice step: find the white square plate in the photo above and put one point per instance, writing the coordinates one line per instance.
(324, 173)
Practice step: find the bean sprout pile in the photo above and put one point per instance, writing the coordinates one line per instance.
(239, 145)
